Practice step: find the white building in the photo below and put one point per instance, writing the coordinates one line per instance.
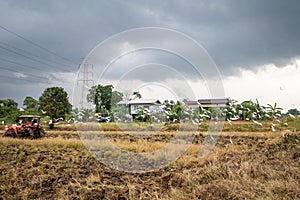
(208, 103)
(151, 104)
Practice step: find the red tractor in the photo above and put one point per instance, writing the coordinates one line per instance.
(29, 128)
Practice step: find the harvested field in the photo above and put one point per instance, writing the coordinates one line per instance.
(253, 165)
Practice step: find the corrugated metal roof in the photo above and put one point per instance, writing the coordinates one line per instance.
(141, 102)
(209, 101)
(193, 103)
(29, 116)
(213, 101)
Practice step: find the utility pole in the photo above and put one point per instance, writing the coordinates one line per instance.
(86, 81)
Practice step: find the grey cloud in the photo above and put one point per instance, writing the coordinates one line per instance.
(238, 33)
(235, 33)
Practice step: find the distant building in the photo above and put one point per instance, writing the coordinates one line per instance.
(151, 104)
(208, 103)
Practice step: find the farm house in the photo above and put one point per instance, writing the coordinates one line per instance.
(208, 103)
(153, 105)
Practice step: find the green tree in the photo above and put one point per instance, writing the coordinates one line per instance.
(85, 114)
(293, 111)
(143, 115)
(201, 114)
(31, 105)
(103, 97)
(179, 110)
(9, 103)
(174, 111)
(215, 113)
(120, 113)
(9, 110)
(55, 102)
(116, 98)
(248, 110)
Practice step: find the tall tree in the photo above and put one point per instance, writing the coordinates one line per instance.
(31, 105)
(55, 102)
(103, 97)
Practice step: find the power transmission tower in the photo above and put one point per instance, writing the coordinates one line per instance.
(86, 81)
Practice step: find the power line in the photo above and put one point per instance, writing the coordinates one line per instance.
(26, 73)
(35, 44)
(25, 56)
(20, 79)
(34, 55)
(32, 75)
(19, 64)
(15, 63)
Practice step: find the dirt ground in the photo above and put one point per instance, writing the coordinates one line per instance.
(245, 166)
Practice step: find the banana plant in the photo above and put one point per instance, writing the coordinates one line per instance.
(274, 111)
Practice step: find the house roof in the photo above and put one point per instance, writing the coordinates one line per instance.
(29, 116)
(193, 103)
(141, 102)
(209, 101)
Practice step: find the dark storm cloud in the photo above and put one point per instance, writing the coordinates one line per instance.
(235, 33)
(238, 33)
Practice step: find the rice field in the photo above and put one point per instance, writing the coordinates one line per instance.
(243, 164)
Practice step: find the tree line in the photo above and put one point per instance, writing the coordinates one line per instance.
(245, 111)
(54, 103)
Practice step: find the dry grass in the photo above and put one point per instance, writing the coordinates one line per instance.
(261, 165)
(46, 142)
(239, 126)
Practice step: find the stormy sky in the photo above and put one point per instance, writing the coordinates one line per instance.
(254, 44)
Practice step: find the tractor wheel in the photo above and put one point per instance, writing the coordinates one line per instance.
(42, 132)
(22, 134)
(36, 134)
(30, 133)
(10, 134)
(26, 133)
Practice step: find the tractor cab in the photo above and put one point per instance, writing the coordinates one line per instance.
(29, 120)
